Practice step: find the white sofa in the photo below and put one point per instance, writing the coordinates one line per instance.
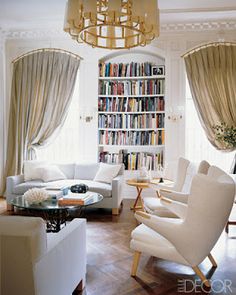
(75, 173)
(35, 263)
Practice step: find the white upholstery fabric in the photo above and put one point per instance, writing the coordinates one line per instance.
(94, 186)
(56, 268)
(209, 205)
(30, 170)
(175, 196)
(50, 173)
(98, 187)
(112, 192)
(33, 228)
(177, 208)
(67, 169)
(107, 172)
(215, 172)
(181, 174)
(180, 189)
(21, 188)
(191, 171)
(143, 237)
(154, 206)
(86, 171)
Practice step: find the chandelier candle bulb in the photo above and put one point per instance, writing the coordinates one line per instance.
(112, 24)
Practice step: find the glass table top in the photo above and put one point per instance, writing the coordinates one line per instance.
(52, 204)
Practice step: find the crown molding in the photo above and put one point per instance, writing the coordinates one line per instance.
(199, 26)
(165, 28)
(34, 33)
(198, 9)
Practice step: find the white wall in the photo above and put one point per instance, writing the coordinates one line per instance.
(169, 46)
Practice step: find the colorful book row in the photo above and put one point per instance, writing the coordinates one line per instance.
(134, 121)
(132, 69)
(131, 137)
(139, 87)
(124, 104)
(133, 160)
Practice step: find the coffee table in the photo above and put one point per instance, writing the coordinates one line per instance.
(54, 214)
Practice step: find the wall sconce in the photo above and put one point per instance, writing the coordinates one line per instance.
(175, 113)
(87, 114)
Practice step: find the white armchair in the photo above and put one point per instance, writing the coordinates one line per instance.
(178, 192)
(190, 240)
(177, 202)
(36, 263)
(153, 205)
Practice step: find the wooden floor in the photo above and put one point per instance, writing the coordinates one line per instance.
(109, 261)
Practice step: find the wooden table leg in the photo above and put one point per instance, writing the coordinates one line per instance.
(135, 206)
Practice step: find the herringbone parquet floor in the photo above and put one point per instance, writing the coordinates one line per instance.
(109, 261)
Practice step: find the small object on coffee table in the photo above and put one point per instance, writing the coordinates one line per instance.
(76, 199)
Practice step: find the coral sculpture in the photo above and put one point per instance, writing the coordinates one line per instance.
(36, 195)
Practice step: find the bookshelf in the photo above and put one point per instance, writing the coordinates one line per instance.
(131, 114)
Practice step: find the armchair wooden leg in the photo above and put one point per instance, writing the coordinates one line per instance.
(115, 211)
(212, 260)
(201, 276)
(135, 263)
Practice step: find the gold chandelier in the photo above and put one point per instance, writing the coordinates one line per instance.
(112, 24)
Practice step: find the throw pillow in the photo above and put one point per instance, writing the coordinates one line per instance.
(107, 172)
(50, 173)
(30, 169)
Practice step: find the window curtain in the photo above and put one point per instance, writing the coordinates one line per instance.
(211, 72)
(42, 88)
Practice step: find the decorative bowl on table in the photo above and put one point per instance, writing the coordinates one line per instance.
(143, 175)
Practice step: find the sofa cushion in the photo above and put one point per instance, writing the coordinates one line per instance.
(102, 188)
(107, 172)
(67, 169)
(21, 188)
(30, 169)
(86, 171)
(50, 173)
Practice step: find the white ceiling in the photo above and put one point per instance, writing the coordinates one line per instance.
(50, 13)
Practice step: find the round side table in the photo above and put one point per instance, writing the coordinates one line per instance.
(139, 187)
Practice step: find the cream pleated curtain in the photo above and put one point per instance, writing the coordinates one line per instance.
(42, 88)
(211, 72)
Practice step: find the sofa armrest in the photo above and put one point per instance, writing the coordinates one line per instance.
(12, 181)
(116, 185)
(64, 264)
